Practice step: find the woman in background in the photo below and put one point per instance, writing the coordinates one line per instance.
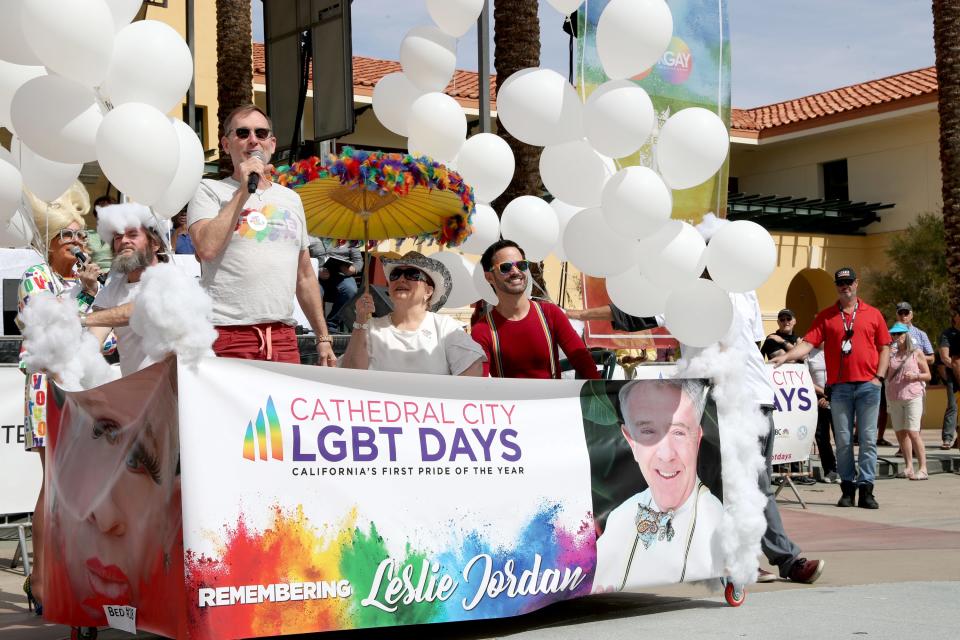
(905, 387)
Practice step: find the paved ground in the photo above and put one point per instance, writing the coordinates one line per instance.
(891, 573)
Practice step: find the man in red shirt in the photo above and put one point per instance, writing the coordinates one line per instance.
(520, 336)
(856, 346)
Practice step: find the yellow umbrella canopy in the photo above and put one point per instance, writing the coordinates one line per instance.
(362, 195)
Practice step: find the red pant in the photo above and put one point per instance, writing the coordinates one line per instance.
(273, 341)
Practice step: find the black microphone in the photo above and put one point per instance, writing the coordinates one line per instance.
(82, 258)
(254, 178)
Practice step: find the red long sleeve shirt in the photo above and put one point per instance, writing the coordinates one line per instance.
(524, 350)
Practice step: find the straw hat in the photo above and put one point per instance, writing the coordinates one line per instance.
(438, 272)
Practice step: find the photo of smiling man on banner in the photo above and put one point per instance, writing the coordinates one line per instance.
(661, 527)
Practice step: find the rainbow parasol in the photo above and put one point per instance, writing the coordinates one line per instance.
(372, 195)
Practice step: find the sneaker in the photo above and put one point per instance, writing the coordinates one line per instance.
(764, 576)
(883, 443)
(832, 478)
(806, 571)
(804, 480)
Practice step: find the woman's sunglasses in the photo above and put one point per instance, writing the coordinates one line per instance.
(506, 267)
(244, 132)
(69, 235)
(410, 273)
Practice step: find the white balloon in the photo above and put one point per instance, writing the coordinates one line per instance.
(47, 179)
(741, 256)
(123, 11)
(636, 202)
(188, 175)
(74, 40)
(692, 147)
(484, 289)
(486, 230)
(428, 57)
(393, 96)
(632, 35)
(633, 292)
(17, 233)
(138, 150)
(532, 224)
(14, 46)
(564, 212)
(539, 107)
(438, 125)
(12, 77)
(596, 249)
(151, 64)
(574, 172)
(566, 7)
(699, 314)
(463, 291)
(454, 17)
(11, 185)
(487, 164)
(618, 118)
(672, 256)
(58, 118)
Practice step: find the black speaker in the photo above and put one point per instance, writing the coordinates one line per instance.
(10, 287)
(320, 28)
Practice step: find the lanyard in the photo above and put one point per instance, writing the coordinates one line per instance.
(848, 330)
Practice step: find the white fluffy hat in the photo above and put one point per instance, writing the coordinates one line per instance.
(114, 219)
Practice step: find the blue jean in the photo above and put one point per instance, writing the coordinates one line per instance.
(337, 291)
(950, 415)
(860, 400)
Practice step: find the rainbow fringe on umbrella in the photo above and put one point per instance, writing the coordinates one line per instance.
(395, 173)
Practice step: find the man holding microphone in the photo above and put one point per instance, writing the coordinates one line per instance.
(251, 239)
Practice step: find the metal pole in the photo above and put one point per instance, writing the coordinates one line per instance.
(483, 66)
(192, 91)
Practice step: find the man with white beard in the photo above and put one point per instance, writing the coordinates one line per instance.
(132, 232)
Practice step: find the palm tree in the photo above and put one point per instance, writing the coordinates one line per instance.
(946, 39)
(234, 63)
(516, 46)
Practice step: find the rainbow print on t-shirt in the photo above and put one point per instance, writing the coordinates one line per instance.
(269, 223)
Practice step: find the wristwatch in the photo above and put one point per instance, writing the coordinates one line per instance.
(325, 338)
(361, 325)
(878, 377)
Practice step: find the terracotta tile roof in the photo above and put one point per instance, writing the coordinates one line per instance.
(367, 72)
(840, 104)
(844, 103)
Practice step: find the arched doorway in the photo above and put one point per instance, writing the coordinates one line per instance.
(810, 291)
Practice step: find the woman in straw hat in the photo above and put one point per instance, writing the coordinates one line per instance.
(60, 227)
(413, 338)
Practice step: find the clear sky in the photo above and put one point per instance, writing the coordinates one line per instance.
(782, 49)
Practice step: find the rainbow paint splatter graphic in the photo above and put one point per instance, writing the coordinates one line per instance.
(269, 223)
(255, 439)
(354, 582)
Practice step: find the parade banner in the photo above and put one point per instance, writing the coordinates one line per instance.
(20, 471)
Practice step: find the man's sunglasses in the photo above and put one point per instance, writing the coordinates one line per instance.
(904, 312)
(506, 267)
(410, 273)
(244, 132)
(844, 283)
(69, 235)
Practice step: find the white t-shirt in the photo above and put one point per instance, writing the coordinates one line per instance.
(116, 292)
(254, 280)
(744, 334)
(620, 552)
(439, 346)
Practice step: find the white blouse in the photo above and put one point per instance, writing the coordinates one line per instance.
(439, 346)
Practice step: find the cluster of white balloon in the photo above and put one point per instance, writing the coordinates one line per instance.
(81, 83)
(617, 224)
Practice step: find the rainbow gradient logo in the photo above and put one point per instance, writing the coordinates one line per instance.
(676, 63)
(255, 443)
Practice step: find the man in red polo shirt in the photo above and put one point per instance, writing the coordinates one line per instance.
(520, 336)
(856, 345)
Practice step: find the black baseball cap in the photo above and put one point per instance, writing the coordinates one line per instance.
(786, 312)
(846, 273)
(904, 306)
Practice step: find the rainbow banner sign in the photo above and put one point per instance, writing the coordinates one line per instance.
(246, 499)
